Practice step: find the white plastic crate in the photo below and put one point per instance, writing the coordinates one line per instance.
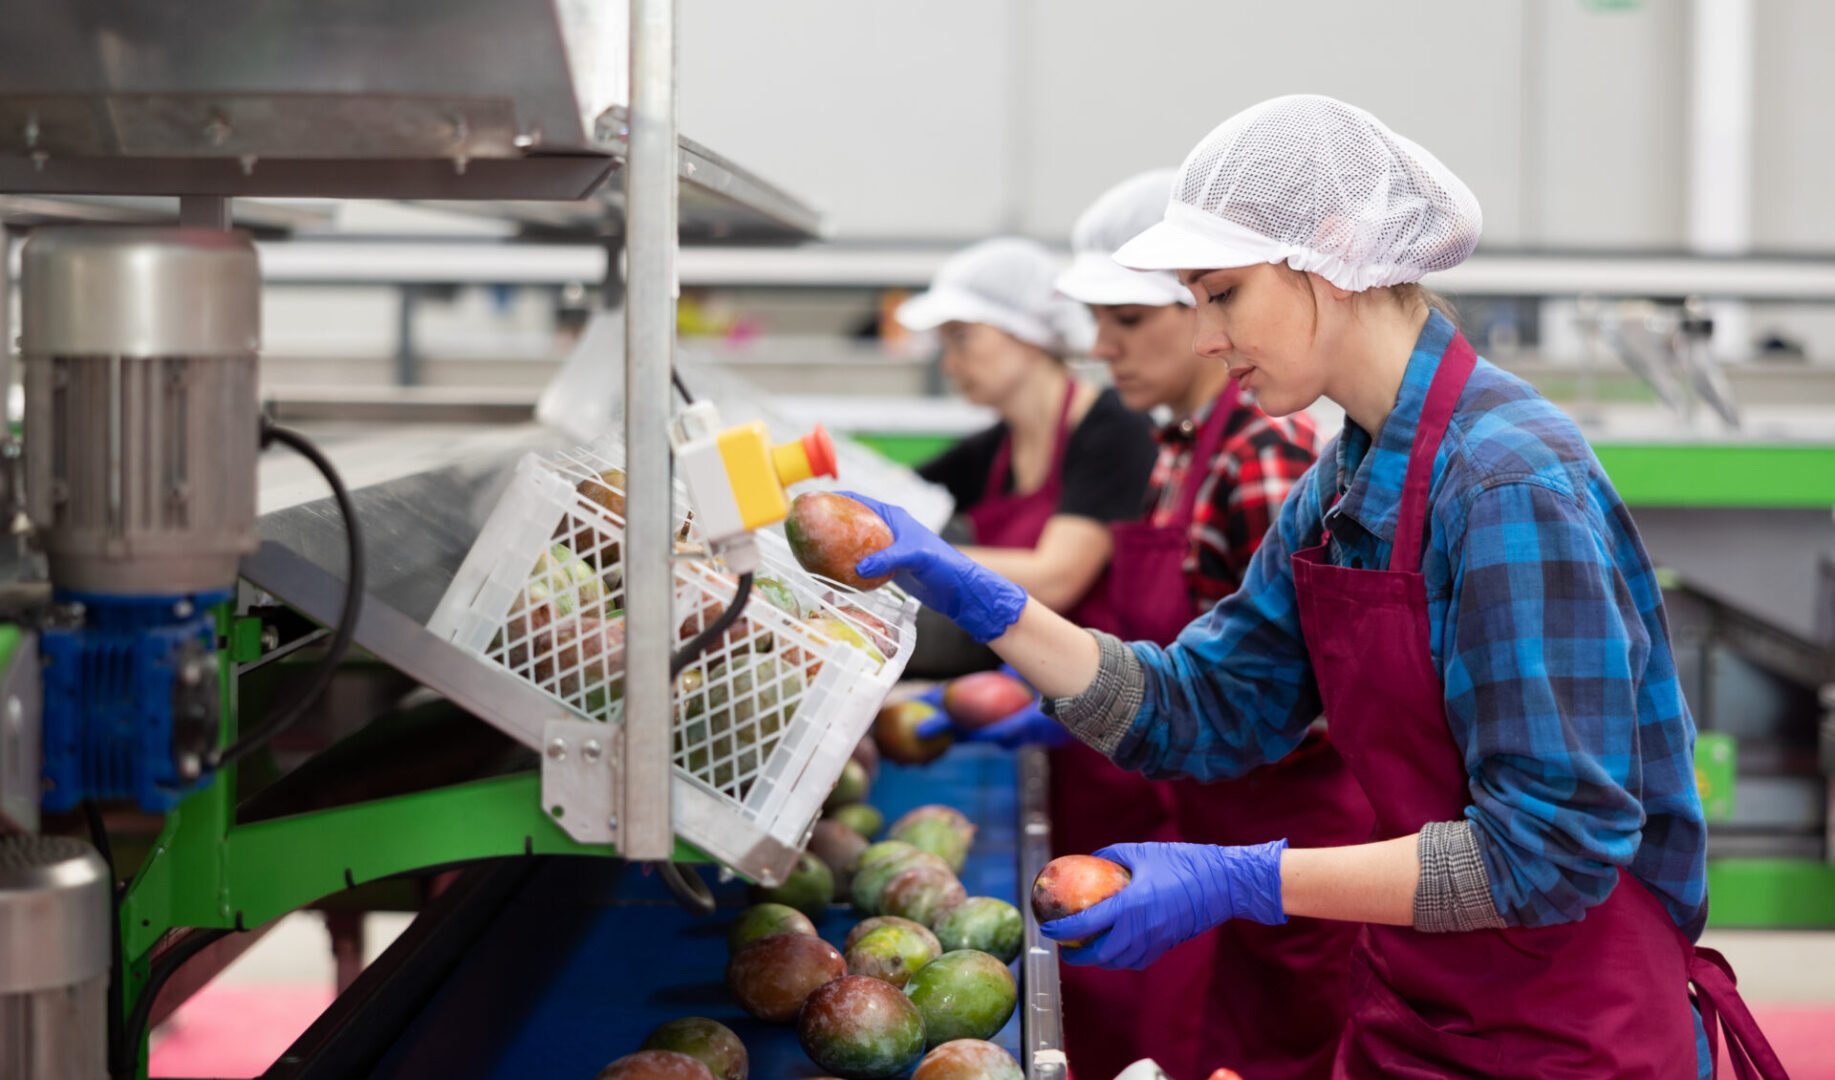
(764, 720)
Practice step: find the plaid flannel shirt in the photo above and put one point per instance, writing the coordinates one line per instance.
(1547, 631)
(1259, 458)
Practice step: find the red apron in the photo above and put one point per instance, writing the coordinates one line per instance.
(1286, 1026)
(1604, 996)
(1112, 1018)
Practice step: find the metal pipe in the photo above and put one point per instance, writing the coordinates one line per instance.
(645, 831)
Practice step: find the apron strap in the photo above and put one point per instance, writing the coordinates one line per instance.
(1456, 365)
(1717, 996)
(1003, 455)
(1202, 451)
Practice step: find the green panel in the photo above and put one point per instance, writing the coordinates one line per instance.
(906, 449)
(1688, 474)
(10, 636)
(1716, 766)
(1770, 894)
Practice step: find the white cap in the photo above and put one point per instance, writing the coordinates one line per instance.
(1320, 185)
(1007, 283)
(1117, 216)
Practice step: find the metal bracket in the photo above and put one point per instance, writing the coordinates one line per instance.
(21, 732)
(582, 761)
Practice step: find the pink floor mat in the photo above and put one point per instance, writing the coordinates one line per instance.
(237, 1031)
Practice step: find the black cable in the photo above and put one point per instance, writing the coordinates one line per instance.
(698, 644)
(98, 835)
(687, 887)
(681, 387)
(128, 1063)
(347, 618)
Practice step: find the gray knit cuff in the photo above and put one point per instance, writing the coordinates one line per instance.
(1102, 714)
(1455, 891)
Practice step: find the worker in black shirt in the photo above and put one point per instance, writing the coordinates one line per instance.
(1039, 489)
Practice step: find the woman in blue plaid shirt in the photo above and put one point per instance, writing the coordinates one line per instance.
(1459, 589)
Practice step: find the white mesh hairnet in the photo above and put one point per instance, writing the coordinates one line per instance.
(1008, 283)
(1117, 216)
(1319, 184)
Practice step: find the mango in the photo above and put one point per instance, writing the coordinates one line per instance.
(968, 1059)
(763, 920)
(922, 894)
(771, 976)
(809, 888)
(710, 1042)
(829, 534)
(863, 819)
(1072, 883)
(986, 923)
(975, 701)
(963, 995)
(867, 926)
(895, 730)
(860, 1028)
(839, 847)
(870, 880)
(893, 953)
(938, 837)
(850, 788)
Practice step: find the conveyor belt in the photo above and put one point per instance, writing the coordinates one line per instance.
(590, 955)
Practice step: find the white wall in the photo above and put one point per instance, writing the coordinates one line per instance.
(1794, 129)
(948, 120)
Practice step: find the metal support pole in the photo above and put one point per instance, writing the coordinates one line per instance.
(407, 350)
(645, 832)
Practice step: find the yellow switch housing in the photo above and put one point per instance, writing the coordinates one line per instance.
(746, 451)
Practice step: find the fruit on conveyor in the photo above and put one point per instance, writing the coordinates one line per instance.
(895, 730)
(710, 1042)
(829, 534)
(922, 894)
(763, 920)
(656, 1065)
(938, 837)
(771, 976)
(867, 926)
(975, 701)
(839, 848)
(893, 953)
(863, 819)
(851, 787)
(867, 753)
(963, 995)
(809, 888)
(968, 1059)
(870, 880)
(986, 923)
(949, 815)
(1071, 883)
(861, 1029)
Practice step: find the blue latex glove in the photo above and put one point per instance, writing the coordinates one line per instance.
(1178, 891)
(1024, 727)
(981, 602)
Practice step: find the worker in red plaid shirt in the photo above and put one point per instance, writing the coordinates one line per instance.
(1257, 460)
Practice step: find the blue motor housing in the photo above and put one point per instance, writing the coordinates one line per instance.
(131, 699)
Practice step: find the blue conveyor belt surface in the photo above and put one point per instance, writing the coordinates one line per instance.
(591, 954)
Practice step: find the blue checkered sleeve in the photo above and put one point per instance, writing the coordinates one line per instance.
(1544, 650)
(1236, 690)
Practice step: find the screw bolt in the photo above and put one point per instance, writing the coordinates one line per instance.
(557, 750)
(592, 749)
